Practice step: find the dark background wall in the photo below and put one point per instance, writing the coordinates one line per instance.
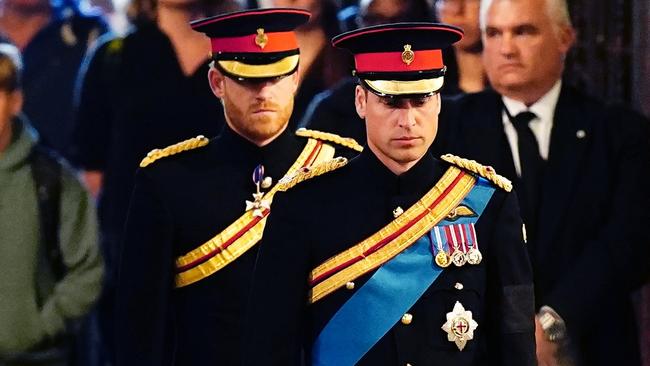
(612, 56)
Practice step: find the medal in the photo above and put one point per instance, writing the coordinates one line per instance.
(441, 257)
(459, 326)
(458, 256)
(258, 205)
(474, 256)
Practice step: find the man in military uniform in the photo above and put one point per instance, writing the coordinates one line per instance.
(396, 258)
(199, 207)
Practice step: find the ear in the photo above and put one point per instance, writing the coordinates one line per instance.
(567, 37)
(217, 81)
(360, 101)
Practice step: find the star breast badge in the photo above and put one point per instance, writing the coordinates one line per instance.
(460, 326)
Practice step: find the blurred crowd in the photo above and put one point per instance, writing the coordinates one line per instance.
(84, 97)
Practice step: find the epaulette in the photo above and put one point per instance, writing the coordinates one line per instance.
(304, 174)
(484, 171)
(326, 136)
(189, 144)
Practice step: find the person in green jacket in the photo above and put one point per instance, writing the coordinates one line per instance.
(38, 304)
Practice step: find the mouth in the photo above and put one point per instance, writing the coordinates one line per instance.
(407, 138)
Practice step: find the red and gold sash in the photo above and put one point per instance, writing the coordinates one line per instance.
(246, 231)
(394, 238)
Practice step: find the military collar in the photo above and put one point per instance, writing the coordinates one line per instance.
(276, 156)
(416, 180)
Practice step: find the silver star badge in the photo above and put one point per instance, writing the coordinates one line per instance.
(460, 326)
(258, 205)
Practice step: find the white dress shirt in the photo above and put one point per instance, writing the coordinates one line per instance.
(541, 126)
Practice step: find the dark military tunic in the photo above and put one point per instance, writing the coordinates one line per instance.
(179, 203)
(324, 216)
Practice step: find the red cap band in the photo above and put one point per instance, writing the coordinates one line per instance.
(275, 42)
(392, 61)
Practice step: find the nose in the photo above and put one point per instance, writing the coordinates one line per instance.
(507, 46)
(406, 118)
(265, 89)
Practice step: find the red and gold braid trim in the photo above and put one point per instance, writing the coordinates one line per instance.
(244, 233)
(394, 238)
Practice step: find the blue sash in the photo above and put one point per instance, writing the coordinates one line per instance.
(391, 291)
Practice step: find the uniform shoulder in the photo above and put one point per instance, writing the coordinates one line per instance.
(186, 145)
(330, 137)
(305, 174)
(484, 171)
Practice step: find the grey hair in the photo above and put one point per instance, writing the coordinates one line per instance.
(557, 10)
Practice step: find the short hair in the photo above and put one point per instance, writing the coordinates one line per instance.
(557, 10)
(11, 68)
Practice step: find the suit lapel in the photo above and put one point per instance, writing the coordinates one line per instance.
(564, 163)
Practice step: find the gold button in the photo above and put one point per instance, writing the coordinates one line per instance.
(397, 212)
(458, 286)
(407, 319)
(349, 285)
(408, 364)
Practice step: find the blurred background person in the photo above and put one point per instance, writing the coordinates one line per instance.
(580, 167)
(53, 37)
(137, 93)
(333, 110)
(465, 73)
(49, 255)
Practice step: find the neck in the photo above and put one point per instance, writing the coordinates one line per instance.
(394, 166)
(259, 142)
(470, 71)
(21, 24)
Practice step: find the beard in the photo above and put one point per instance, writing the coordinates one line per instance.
(258, 127)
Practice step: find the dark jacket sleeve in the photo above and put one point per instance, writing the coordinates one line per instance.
(145, 282)
(511, 302)
(616, 260)
(274, 326)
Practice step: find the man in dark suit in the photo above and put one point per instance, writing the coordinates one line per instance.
(580, 168)
(199, 207)
(380, 235)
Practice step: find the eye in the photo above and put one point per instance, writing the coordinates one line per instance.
(491, 32)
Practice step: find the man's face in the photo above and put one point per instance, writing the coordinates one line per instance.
(257, 110)
(399, 130)
(463, 14)
(524, 48)
(10, 105)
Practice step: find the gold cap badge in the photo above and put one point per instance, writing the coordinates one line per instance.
(408, 56)
(261, 39)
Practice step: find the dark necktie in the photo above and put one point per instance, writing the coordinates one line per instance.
(532, 169)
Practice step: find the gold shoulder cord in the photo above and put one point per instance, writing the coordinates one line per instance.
(484, 171)
(186, 145)
(307, 173)
(326, 136)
